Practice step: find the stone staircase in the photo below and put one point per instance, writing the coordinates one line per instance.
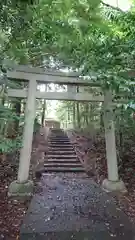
(61, 154)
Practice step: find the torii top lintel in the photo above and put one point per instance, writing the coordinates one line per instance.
(21, 72)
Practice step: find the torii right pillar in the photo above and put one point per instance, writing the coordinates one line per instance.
(113, 183)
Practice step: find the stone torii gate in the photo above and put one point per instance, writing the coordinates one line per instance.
(23, 186)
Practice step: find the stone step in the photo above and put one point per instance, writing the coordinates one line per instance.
(62, 164)
(74, 160)
(59, 143)
(60, 149)
(66, 235)
(61, 146)
(57, 130)
(56, 156)
(58, 135)
(61, 152)
(59, 139)
(62, 169)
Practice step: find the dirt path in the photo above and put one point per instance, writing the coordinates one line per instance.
(72, 206)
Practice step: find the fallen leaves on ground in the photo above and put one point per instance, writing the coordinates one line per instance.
(12, 211)
(92, 154)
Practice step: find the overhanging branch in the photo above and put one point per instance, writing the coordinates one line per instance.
(112, 7)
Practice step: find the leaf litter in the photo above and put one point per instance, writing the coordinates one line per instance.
(91, 153)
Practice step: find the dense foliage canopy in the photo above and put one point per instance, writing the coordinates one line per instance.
(86, 35)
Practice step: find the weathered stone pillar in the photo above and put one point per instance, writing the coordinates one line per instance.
(112, 183)
(22, 186)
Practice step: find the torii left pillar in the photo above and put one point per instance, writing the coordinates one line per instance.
(23, 186)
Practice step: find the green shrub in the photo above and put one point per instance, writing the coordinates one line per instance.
(10, 145)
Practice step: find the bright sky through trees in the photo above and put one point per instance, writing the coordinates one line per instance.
(123, 4)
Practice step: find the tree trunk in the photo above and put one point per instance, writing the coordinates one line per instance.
(43, 112)
(14, 125)
(44, 106)
(2, 101)
(74, 115)
(78, 112)
(101, 119)
(23, 106)
(78, 115)
(86, 114)
(68, 116)
(18, 113)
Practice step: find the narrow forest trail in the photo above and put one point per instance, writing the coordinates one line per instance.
(69, 205)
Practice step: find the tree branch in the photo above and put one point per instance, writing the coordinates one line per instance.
(112, 7)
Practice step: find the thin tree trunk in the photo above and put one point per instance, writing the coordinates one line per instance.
(23, 106)
(13, 127)
(74, 115)
(78, 112)
(78, 115)
(44, 106)
(3, 101)
(43, 112)
(102, 118)
(2, 122)
(86, 114)
(68, 115)
(18, 113)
